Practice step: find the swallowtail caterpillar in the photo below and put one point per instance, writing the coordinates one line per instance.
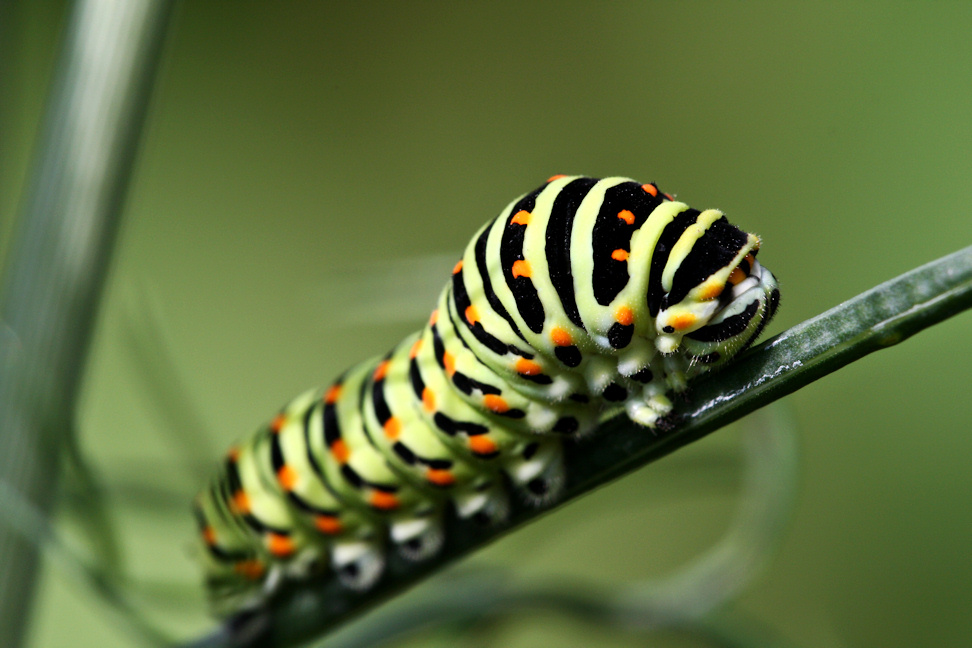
(581, 295)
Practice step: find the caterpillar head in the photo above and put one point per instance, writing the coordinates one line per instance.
(719, 298)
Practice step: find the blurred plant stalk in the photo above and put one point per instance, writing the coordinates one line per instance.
(57, 262)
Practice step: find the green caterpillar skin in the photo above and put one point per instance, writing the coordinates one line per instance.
(580, 295)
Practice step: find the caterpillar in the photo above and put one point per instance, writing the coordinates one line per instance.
(583, 295)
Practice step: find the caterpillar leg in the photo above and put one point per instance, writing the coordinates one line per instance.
(417, 538)
(358, 564)
(538, 471)
(646, 411)
(489, 505)
(309, 561)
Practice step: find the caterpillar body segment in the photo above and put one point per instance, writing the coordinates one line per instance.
(581, 295)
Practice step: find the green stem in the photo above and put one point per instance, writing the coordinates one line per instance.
(58, 260)
(684, 601)
(476, 599)
(874, 320)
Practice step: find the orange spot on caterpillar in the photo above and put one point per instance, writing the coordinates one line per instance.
(481, 444)
(556, 177)
(736, 276)
(392, 428)
(561, 337)
(472, 315)
(620, 255)
(650, 189)
(414, 351)
(521, 217)
(381, 371)
(428, 400)
(457, 268)
(277, 423)
(340, 451)
(682, 322)
(450, 363)
(434, 317)
(751, 259)
(669, 196)
(287, 477)
(333, 394)
(711, 291)
(496, 403)
(626, 216)
(209, 535)
(279, 545)
(624, 316)
(383, 501)
(240, 503)
(251, 569)
(233, 454)
(528, 367)
(328, 524)
(521, 269)
(440, 477)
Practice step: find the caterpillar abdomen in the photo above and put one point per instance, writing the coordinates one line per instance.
(580, 295)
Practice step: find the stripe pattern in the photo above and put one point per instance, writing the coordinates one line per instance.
(580, 295)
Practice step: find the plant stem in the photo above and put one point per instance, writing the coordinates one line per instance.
(874, 320)
(57, 264)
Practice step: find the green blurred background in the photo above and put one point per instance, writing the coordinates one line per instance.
(308, 165)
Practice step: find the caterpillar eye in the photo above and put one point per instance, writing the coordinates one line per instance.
(545, 320)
